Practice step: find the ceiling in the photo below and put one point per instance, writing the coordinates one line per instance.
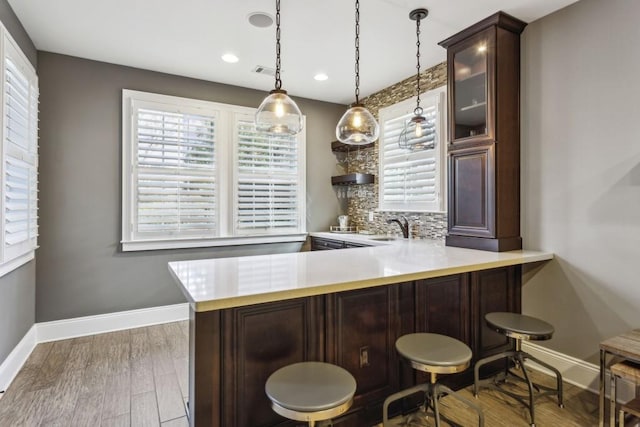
(188, 37)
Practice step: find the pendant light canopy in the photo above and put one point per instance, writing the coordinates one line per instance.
(419, 132)
(357, 126)
(278, 114)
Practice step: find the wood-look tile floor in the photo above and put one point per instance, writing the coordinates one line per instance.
(139, 377)
(135, 377)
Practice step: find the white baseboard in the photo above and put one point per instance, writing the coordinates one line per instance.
(90, 325)
(14, 361)
(82, 326)
(575, 371)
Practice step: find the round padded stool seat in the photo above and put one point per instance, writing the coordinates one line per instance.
(310, 387)
(519, 326)
(434, 352)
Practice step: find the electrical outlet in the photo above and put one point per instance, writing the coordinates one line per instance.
(371, 216)
(364, 356)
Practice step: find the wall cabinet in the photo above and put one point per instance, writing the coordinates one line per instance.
(483, 71)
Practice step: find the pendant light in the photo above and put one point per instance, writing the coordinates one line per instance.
(419, 132)
(278, 114)
(357, 126)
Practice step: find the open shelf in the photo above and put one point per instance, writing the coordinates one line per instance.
(353, 178)
(339, 147)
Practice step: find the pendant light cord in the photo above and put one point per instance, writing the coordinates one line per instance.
(418, 110)
(278, 80)
(357, 51)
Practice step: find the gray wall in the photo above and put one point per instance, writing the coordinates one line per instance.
(581, 171)
(17, 289)
(80, 270)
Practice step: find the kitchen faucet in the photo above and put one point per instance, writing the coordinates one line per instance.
(403, 226)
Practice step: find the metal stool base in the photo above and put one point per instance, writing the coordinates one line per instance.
(519, 357)
(432, 393)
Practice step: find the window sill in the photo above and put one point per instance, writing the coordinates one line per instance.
(152, 245)
(14, 264)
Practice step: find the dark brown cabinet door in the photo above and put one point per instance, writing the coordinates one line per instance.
(472, 89)
(471, 210)
(361, 332)
(493, 290)
(258, 340)
(442, 306)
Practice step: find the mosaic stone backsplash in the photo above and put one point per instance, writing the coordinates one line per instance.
(363, 199)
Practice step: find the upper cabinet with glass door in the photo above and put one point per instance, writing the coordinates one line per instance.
(474, 56)
(472, 100)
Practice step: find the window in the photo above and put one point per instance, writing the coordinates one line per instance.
(267, 181)
(198, 174)
(19, 157)
(412, 181)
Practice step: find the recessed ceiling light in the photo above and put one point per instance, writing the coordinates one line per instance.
(230, 58)
(321, 77)
(260, 19)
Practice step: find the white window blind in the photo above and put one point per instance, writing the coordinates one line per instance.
(411, 180)
(269, 181)
(20, 155)
(175, 172)
(197, 174)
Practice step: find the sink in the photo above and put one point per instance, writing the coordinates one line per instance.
(382, 239)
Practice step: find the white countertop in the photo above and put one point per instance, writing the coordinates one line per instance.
(213, 284)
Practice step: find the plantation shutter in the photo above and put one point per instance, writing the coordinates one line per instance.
(267, 184)
(410, 179)
(20, 159)
(175, 172)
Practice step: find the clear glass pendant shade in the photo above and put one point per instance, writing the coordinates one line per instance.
(278, 114)
(357, 127)
(418, 134)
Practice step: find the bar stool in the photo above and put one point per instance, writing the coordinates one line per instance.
(518, 327)
(629, 371)
(434, 354)
(310, 391)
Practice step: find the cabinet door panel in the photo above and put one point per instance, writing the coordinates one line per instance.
(471, 174)
(493, 290)
(259, 340)
(442, 306)
(361, 337)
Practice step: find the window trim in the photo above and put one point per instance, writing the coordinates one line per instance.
(28, 155)
(439, 95)
(225, 173)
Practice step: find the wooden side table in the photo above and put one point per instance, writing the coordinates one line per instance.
(625, 346)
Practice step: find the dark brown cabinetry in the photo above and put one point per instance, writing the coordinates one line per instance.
(493, 290)
(362, 328)
(321, 244)
(258, 340)
(233, 351)
(442, 306)
(483, 66)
